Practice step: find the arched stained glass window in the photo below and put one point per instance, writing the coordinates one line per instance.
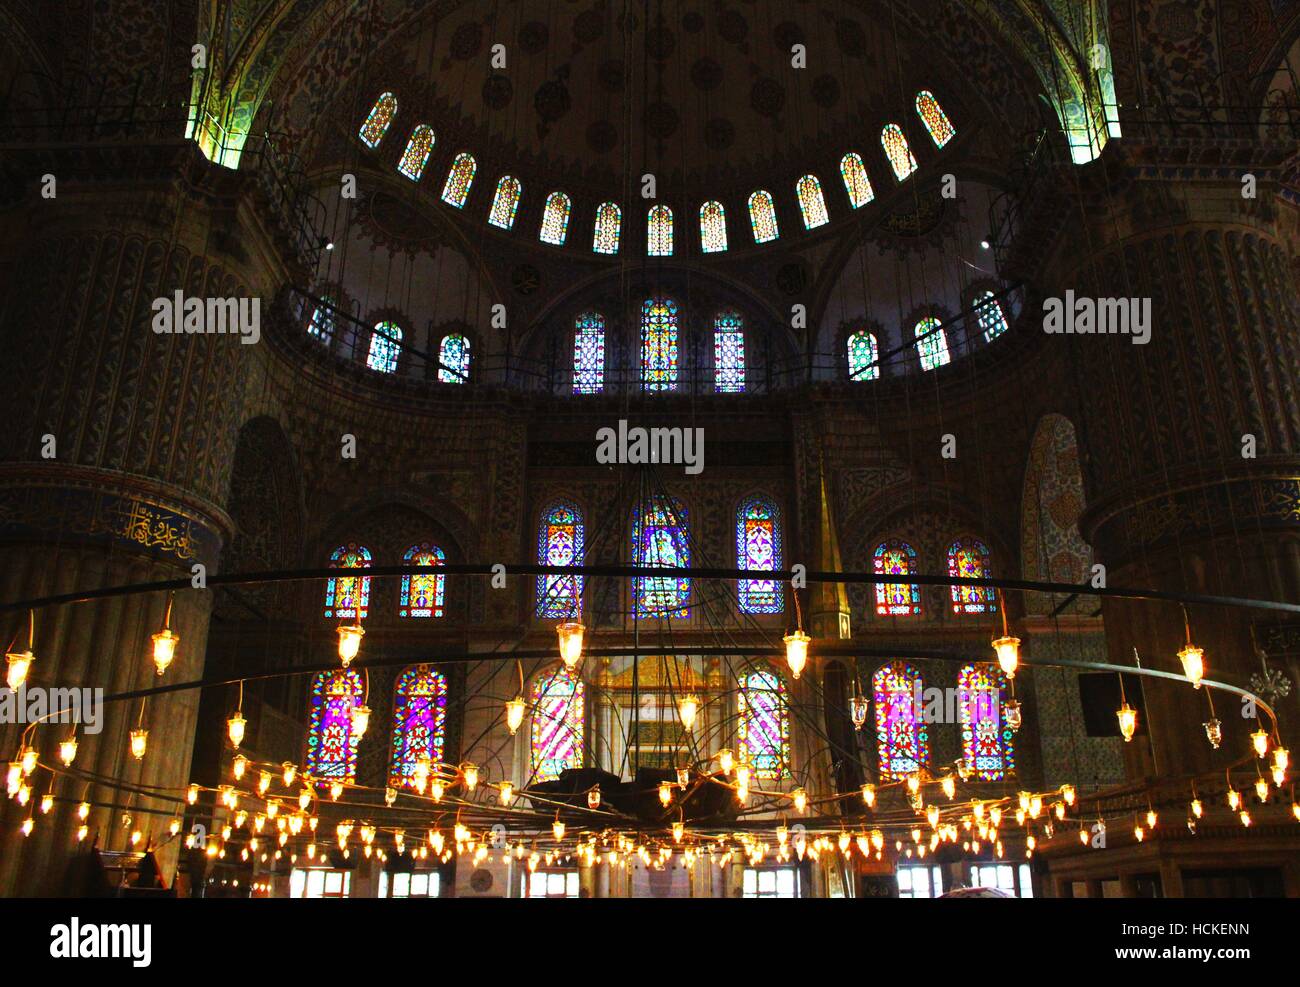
(764, 726)
(901, 737)
(560, 542)
(322, 320)
(713, 228)
(856, 182)
(459, 179)
(609, 227)
(385, 344)
(659, 232)
(423, 595)
(417, 152)
(419, 723)
(987, 743)
(377, 121)
(762, 217)
(935, 120)
(555, 219)
(659, 350)
(661, 538)
(453, 355)
(811, 202)
(331, 741)
(505, 202)
(931, 343)
(862, 356)
(968, 558)
(896, 558)
(559, 709)
(589, 353)
(728, 353)
(896, 149)
(758, 549)
(989, 316)
(348, 597)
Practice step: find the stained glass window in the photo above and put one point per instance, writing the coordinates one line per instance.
(811, 202)
(659, 232)
(758, 549)
(896, 558)
(987, 743)
(713, 227)
(348, 597)
(385, 344)
(380, 116)
(988, 314)
(331, 742)
(423, 595)
(862, 356)
(505, 202)
(609, 227)
(969, 559)
(419, 723)
(935, 120)
(896, 149)
(659, 344)
(453, 355)
(417, 152)
(559, 542)
(762, 217)
(459, 179)
(322, 321)
(728, 353)
(931, 343)
(555, 219)
(559, 708)
(856, 182)
(661, 538)
(764, 726)
(589, 353)
(901, 737)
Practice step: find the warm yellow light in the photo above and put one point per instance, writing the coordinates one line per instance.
(192, 794)
(1295, 810)
(164, 649)
(1260, 741)
(20, 663)
(360, 720)
(726, 760)
(800, 800)
(238, 766)
(1279, 776)
(1281, 758)
(28, 825)
(1151, 818)
(1068, 793)
(336, 789)
(507, 792)
(82, 832)
(1083, 836)
(83, 811)
(1234, 799)
(1139, 833)
(350, 636)
(47, 803)
(1193, 659)
(470, 771)
(949, 786)
(437, 789)
(68, 751)
(743, 773)
(263, 782)
(570, 634)
(289, 771)
(1008, 652)
(139, 743)
(235, 728)
(1059, 809)
(914, 783)
(1245, 817)
(665, 792)
(1213, 732)
(932, 814)
(1128, 721)
(515, 709)
(1261, 788)
(869, 795)
(593, 798)
(679, 830)
(557, 829)
(28, 758)
(689, 709)
(796, 652)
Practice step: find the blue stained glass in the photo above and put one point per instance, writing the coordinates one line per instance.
(331, 741)
(902, 739)
(559, 542)
(559, 709)
(728, 353)
(423, 595)
(348, 597)
(758, 549)
(419, 723)
(931, 343)
(660, 538)
(589, 353)
(863, 363)
(659, 344)
(987, 741)
(385, 344)
(453, 355)
(989, 316)
(764, 728)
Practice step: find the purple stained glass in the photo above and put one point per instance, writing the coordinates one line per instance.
(988, 743)
(901, 736)
(348, 597)
(419, 723)
(559, 542)
(331, 743)
(901, 599)
(764, 728)
(758, 549)
(969, 559)
(559, 709)
(423, 595)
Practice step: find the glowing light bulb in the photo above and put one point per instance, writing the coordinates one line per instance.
(593, 798)
(263, 782)
(304, 799)
(796, 652)
(164, 649)
(68, 751)
(665, 792)
(800, 800)
(858, 707)
(82, 832)
(238, 766)
(679, 830)
(360, 720)
(1261, 788)
(1260, 741)
(726, 761)
(28, 758)
(336, 789)
(557, 830)
(1008, 652)
(83, 811)
(139, 743)
(570, 634)
(949, 786)
(1059, 809)
(47, 803)
(28, 826)
(932, 814)
(350, 636)
(1214, 732)
(914, 783)
(470, 772)
(1281, 758)
(1193, 659)
(1151, 818)
(515, 709)
(1068, 793)
(689, 709)
(20, 664)
(1234, 799)
(1198, 809)
(437, 789)
(1128, 720)
(869, 795)
(507, 792)
(1245, 818)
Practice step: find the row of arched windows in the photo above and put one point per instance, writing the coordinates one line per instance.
(660, 232)
(930, 336)
(967, 558)
(386, 345)
(347, 595)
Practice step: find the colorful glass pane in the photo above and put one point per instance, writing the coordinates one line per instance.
(555, 219)
(385, 345)
(559, 542)
(988, 315)
(862, 356)
(609, 227)
(969, 559)
(728, 353)
(856, 182)
(419, 723)
(811, 202)
(505, 203)
(762, 217)
(902, 740)
(589, 353)
(348, 597)
(322, 321)
(453, 357)
(931, 343)
(896, 149)
(987, 742)
(660, 538)
(380, 116)
(417, 152)
(764, 725)
(423, 595)
(758, 549)
(713, 227)
(559, 709)
(896, 558)
(935, 120)
(659, 344)
(331, 742)
(659, 232)
(459, 179)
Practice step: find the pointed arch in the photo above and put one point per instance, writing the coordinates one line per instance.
(856, 182)
(762, 217)
(968, 558)
(987, 742)
(758, 549)
(419, 723)
(863, 361)
(931, 343)
(728, 353)
(896, 558)
(555, 219)
(659, 347)
(560, 542)
(348, 597)
(661, 538)
(589, 353)
(377, 120)
(896, 149)
(385, 345)
(935, 120)
(902, 740)
(459, 179)
(713, 228)
(453, 357)
(423, 595)
(331, 741)
(505, 202)
(559, 715)
(763, 730)
(609, 228)
(812, 204)
(989, 316)
(659, 232)
(417, 152)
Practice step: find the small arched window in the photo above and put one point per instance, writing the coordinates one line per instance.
(589, 353)
(896, 149)
(935, 120)
(758, 549)
(505, 202)
(902, 741)
(659, 232)
(609, 227)
(423, 595)
(811, 202)
(377, 121)
(856, 182)
(347, 597)
(560, 542)
(417, 152)
(331, 741)
(713, 228)
(659, 350)
(453, 359)
(728, 353)
(762, 217)
(661, 539)
(989, 316)
(931, 343)
(764, 726)
(968, 558)
(559, 711)
(555, 219)
(419, 723)
(385, 345)
(863, 363)
(459, 179)
(901, 599)
(987, 742)
(322, 320)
